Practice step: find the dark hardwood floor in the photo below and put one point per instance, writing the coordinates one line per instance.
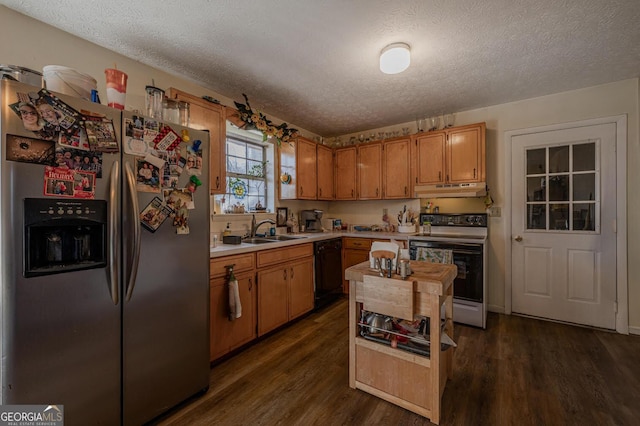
(519, 371)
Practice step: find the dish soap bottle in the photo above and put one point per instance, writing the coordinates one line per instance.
(227, 230)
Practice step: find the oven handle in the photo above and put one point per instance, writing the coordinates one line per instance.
(454, 250)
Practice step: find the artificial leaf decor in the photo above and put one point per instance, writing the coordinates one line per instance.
(257, 120)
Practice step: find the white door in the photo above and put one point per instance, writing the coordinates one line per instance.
(563, 244)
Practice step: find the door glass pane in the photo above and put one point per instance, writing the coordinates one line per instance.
(536, 161)
(559, 216)
(584, 186)
(559, 188)
(583, 215)
(536, 216)
(535, 189)
(559, 159)
(584, 157)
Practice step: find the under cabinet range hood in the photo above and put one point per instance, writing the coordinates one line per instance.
(451, 190)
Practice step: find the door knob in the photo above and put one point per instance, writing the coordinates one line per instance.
(518, 238)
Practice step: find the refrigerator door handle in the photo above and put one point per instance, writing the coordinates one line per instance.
(114, 238)
(135, 221)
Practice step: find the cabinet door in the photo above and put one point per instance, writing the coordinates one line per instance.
(306, 164)
(227, 335)
(208, 116)
(396, 171)
(352, 257)
(345, 167)
(369, 172)
(272, 298)
(325, 173)
(430, 154)
(243, 330)
(288, 181)
(465, 154)
(301, 297)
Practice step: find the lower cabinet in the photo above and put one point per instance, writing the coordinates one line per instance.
(285, 285)
(227, 335)
(354, 251)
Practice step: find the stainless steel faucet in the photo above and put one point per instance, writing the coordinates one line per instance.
(255, 226)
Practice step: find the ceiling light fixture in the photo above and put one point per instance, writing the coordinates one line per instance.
(395, 58)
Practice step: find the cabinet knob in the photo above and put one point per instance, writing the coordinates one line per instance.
(250, 284)
(291, 273)
(284, 275)
(217, 182)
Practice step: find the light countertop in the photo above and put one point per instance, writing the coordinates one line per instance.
(229, 249)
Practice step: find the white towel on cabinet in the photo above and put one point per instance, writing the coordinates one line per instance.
(235, 307)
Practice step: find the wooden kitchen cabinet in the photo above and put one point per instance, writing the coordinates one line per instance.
(325, 173)
(285, 285)
(354, 251)
(205, 115)
(299, 160)
(369, 179)
(455, 155)
(396, 169)
(345, 173)
(226, 335)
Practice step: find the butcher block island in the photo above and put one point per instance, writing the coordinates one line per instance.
(391, 324)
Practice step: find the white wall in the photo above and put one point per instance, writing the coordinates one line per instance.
(29, 43)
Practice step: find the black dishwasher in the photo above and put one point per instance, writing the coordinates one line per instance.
(328, 271)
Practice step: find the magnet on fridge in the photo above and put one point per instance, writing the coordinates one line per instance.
(196, 145)
(185, 135)
(193, 184)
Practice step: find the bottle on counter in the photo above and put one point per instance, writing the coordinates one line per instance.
(227, 230)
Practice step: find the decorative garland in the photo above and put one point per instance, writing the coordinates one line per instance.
(258, 121)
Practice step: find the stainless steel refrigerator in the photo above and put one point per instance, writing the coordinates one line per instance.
(108, 318)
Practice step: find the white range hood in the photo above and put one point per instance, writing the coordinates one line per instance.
(451, 190)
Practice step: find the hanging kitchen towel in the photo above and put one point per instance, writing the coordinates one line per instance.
(235, 308)
(434, 255)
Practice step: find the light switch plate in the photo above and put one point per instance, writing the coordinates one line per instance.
(495, 211)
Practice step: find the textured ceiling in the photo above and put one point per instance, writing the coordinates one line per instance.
(314, 63)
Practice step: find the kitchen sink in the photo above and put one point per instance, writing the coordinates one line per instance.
(256, 240)
(282, 237)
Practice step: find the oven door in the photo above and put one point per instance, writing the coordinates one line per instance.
(467, 257)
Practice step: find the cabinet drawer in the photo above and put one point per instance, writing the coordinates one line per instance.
(356, 243)
(275, 256)
(243, 262)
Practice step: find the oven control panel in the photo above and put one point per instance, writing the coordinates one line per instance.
(468, 220)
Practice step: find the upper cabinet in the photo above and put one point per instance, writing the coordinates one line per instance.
(298, 170)
(325, 173)
(396, 168)
(205, 115)
(455, 155)
(345, 173)
(369, 171)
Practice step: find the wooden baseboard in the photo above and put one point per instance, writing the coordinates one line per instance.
(634, 330)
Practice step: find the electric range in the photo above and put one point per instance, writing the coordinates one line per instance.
(460, 239)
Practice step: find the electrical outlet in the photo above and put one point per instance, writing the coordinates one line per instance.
(495, 211)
